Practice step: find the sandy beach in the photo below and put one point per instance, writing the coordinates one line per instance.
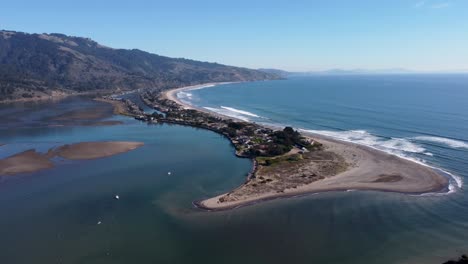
(367, 169)
(32, 161)
(172, 95)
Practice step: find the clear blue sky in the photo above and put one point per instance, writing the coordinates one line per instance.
(293, 35)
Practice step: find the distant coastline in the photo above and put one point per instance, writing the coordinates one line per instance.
(370, 169)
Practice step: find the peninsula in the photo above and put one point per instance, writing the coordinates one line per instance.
(287, 163)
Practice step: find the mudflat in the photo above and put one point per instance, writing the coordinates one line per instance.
(27, 161)
(32, 161)
(95, 150)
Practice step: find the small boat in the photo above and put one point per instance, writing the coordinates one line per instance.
(169, 173)
(117, 197)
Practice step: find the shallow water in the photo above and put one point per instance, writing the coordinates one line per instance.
(52, 216)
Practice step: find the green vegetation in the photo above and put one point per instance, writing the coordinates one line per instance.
(268, 161)
(37, 64)
(250, 140)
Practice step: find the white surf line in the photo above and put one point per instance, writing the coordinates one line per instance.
(453, 143)
(453, 178)
(242, 112)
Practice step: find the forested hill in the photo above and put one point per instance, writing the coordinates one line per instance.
(35, 65)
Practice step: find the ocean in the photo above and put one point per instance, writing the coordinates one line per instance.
(52, 216)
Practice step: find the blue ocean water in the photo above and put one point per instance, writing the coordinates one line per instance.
(421, 117)
(52, 216)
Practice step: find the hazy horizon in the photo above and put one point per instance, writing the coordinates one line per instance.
(421, 36)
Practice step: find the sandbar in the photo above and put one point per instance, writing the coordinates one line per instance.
(26, 161)
(95, 150)
(32, 161)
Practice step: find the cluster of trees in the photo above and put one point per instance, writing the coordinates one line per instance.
(289, 137)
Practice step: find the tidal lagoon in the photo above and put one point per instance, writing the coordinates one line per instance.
(69, 214)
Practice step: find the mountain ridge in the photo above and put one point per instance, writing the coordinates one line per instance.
(41, 65)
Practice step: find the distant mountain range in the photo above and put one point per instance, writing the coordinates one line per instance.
(284, 74)
(36, 65)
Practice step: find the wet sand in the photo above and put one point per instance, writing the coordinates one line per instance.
(119, 107)
(32, 161)
(27, 161)
(94, 116)
(172, 95)
(95, 150)
(368, 169)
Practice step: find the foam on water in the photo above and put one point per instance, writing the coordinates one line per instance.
(400, 147)
(233, 112)
(203, 87)
(228, 113)
(446, 141)
(396, 146)
(242, 112)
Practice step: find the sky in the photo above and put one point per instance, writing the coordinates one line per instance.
(294, 35)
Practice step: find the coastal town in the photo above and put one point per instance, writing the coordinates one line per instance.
(250, 140)
(282, 158)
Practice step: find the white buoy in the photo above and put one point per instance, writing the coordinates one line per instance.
(169, 173)
(117, 197)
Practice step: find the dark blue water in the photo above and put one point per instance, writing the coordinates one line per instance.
(51, 216)
(422, 117)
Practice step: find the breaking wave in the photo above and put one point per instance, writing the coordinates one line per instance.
(184, 96)
(242, 112)
(233, 112)
(396, 146)
(225, 112)
(203, 87)
(446, 141)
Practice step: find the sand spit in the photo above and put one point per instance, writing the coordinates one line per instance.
(365, 169)
(32, 161)
(368, 169)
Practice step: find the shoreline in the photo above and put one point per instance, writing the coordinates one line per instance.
(172, 95)
(427, 180)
